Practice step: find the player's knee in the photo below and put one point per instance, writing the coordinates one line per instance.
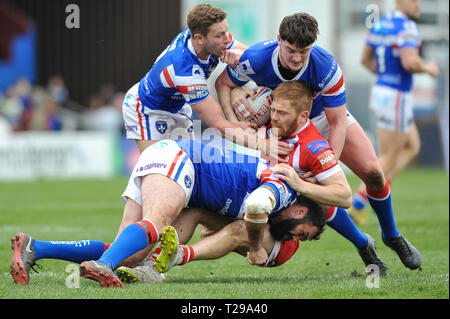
(375, 179)
(415, 147)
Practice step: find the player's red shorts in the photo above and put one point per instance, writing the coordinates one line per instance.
(282, 252)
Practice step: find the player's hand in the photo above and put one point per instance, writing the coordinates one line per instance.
(240, 104)
(309, 177)
(232, 57)
(257, 257)
(289, 175)
(275, 148)
(432, 68)
(248, 127)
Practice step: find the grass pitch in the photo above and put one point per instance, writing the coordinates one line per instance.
(326, 269)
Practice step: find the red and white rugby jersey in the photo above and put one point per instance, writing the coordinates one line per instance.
(312, 153)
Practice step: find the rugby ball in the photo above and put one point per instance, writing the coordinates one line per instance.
(261, 105)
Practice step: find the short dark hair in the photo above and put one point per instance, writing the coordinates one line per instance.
(300, 29)
(314, 217)
(202, 16)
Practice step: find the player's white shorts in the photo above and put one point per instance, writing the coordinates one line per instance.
(143, 123)
(281, 252)
(166, 158)
(394, 109)
(322, 125)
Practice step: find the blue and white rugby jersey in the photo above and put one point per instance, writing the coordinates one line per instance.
(224, 178)
(178, 76)
(320, 72)
(392, 33)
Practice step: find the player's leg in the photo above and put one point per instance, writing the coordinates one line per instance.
(397, 150)
(359, 155)
(185, 225)
(159, 185)
(210, 247)
(28, 250)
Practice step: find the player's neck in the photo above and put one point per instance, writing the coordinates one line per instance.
(199, 50)
(286, 73)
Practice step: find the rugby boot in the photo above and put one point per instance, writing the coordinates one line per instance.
(101, 273)
(23, 258)
(370, 257)
(171, 252)
(143, 273)
(408, 254)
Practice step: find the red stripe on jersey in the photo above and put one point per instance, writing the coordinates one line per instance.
(330, 212)
(230, 37)
(167, 77)
(183, 88)
(138, 104)
(172, 166)
(337, 87)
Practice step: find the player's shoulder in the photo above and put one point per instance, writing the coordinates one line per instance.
(322, 67)
(257, 56)
(321, 58)
(312, 141)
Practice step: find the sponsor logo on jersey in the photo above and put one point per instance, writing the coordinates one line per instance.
(131, 128)
(330, 74)
(317, 146)
(150, 166)
(161, 126)
(327, 159)
(195, 95)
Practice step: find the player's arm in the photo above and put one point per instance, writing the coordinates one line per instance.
(368, 59)
(332, 191)
(337, 119)
(412, 62)
(258, 205)
(224, 85)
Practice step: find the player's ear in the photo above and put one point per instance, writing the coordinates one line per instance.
(198, 37)
(301, 211)
(278, 39)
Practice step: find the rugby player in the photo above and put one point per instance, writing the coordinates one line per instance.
(169, 176)
(391, 52)
(160, 106)
(293, 56)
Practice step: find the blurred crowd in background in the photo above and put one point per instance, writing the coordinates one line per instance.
(27, 107)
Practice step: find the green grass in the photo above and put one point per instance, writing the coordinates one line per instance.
(328, 268)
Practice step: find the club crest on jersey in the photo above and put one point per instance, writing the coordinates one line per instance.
(245, 67)
(161, 126)
(188, 181)
(197, 72)
(317, 146)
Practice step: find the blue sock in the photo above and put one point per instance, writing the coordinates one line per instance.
(342, 223)
(132, 239)
(382, 205)
(74, 251)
